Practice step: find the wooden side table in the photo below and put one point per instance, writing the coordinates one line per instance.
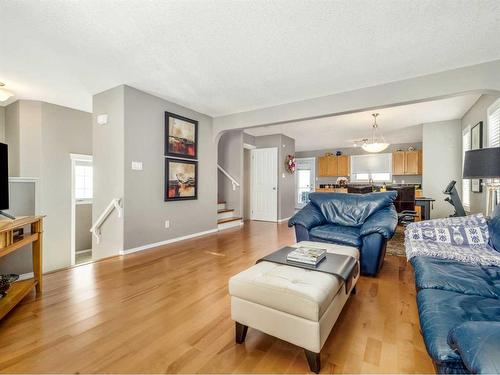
(9, 242)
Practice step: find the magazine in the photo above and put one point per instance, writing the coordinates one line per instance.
(307, 255)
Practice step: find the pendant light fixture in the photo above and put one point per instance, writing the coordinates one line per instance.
(377, 142)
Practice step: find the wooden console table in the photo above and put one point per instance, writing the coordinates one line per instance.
(10, 242)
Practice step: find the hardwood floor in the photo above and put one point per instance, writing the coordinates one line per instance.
(167, 310)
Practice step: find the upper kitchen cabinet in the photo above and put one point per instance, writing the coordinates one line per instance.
(333, 166)
(407, 162)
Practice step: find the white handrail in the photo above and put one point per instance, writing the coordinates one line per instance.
(96, 228)
(233, 181)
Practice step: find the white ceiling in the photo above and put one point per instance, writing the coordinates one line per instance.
(402, 124)
(221, 57)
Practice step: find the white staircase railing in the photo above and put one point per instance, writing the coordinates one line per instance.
(233, 181)
(96, 228)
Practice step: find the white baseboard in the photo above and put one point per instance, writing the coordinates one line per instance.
(83, 251)
(285, 219)
(26, 276)
(166, 242)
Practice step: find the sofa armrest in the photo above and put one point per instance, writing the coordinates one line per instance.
(478, 343)
(309, 217)
(383, 222)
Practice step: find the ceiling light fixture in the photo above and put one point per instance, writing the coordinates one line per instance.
(4, 94)
(377, 142)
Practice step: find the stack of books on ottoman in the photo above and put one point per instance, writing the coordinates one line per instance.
(307, 255)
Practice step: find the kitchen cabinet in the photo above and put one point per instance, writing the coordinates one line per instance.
(407, 163)
(343, 162)
(333, 166)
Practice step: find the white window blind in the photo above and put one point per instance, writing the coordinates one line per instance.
(494, 125)
(494, 135)
(466, 144)
(377, 167)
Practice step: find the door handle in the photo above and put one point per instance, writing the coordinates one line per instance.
(274, 188)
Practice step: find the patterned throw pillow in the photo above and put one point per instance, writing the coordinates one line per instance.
(468, 230)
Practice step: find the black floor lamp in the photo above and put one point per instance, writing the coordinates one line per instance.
(485, 163)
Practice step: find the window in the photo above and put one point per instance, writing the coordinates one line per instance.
(494, 141)
(377, 167)
(83, 181)
(494, 125)
(466, 145)
(304, 180)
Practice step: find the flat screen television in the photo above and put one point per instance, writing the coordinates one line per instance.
(4, 177)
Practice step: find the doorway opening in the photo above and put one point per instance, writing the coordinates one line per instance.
(305, 178)
(81, 208)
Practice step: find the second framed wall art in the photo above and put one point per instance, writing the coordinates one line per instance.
(181, 179)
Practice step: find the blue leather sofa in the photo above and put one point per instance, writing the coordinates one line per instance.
(365, 221)
(459, 310)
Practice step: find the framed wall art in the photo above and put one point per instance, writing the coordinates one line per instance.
(181, 179)
(181, 136)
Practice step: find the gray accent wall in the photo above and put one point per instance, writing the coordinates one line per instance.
(83, 223)
(145, 209)
(12, 137)
(108, 162)
(64, 131)
(230, 157)
(41, 136)
(479, 112)
(442, 162)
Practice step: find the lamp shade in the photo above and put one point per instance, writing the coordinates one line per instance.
(482, 163)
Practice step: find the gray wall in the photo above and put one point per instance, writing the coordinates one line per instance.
(2, 124)
(108, 162)
(83, 223)
(64, 131)
(41, 137)
(478, 112)
(286, 181)
(230, 157)
(442, 162)
(30, 143)
(12, 137)
(145, 209)
(359, 151)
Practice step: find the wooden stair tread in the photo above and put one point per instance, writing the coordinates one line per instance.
(222, 221)
(225, 210)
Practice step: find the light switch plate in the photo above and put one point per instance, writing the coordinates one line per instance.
(167, 224)
(137, 165)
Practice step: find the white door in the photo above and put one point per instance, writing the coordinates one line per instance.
(264, 184)
(304, 180)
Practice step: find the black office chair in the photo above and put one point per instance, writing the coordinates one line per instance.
(405, 204)
(454, 199)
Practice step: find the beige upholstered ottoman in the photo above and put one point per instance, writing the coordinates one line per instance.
(294, 304)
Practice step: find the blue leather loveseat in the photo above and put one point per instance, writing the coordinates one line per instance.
(459, 310)
(365, 221)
